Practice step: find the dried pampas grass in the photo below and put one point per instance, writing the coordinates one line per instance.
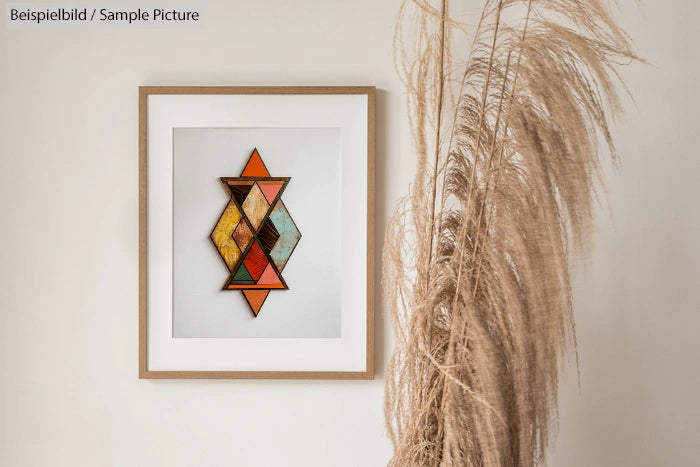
(476, 257)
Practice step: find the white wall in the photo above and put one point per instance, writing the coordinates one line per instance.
(638, 300)
(69, 393)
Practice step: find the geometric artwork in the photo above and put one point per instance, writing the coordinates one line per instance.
(255, 234)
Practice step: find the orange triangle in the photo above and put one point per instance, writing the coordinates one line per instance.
(270, 190)
(255, 166)
(255, 299)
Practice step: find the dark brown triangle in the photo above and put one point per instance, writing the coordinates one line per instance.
(240, 190)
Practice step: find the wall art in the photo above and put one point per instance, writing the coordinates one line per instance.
(256, 232)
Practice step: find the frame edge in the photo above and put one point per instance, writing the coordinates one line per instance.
(371, 146)
(143, 219)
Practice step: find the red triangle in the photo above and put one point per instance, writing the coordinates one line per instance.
(270, 190)
(255, 299)
(269, 277)
(255, 166)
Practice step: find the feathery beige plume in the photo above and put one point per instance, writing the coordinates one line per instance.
(476, 257)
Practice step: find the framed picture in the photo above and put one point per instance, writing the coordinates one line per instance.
(256, 232)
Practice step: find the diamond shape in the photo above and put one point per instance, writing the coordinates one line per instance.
(268, 235)
(255, 261)
(242, 235)
(221, 236)
(289, 235)
(255, 206)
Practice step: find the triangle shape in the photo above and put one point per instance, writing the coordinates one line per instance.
(270, 190)
(269, 277)
(242, 274)
(255, 166)
(255, 299)
(239, 190)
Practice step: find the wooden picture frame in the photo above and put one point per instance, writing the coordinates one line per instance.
(166, 111)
